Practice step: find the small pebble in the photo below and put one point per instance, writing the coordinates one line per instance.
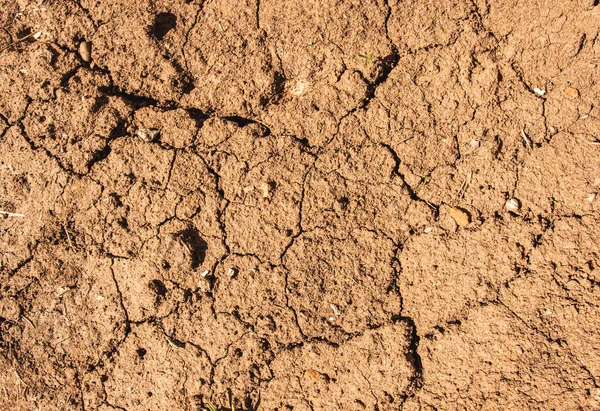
(428, 230)
(149, 134)
(461, 217)
(591, 198)
(267, 191)
(335, 310)
(571, 93)
(85, 51)
(313, 375)
(539, 92)
(474, 144)
(232, 272)
(205, 273)
(512, 205)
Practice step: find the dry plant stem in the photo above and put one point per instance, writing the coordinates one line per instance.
(17, 41)
(7, 214)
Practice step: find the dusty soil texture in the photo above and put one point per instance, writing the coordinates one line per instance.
(300, 205)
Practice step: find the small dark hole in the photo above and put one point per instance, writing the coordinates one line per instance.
(163, 23)
(158, 287)
(304, 141)
(265, 345)
(344, 202)
(116, 199)
(123, 223)
(141, 352)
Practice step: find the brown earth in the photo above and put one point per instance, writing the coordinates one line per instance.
(288, 205)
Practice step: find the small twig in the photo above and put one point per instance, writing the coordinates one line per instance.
(20, 380)
(526, 138)
(61, 341)
(7, 214)
(171, 343)
(65, 314)
(69, 240)
(28, 320)
(465, 184)
(34, 35)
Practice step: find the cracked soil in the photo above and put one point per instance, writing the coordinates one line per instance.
(317, 205)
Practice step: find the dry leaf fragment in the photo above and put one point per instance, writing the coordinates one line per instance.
(461, 217)
(314, 376)
(474, 144)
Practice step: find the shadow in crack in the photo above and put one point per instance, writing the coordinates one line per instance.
(195, 244)
(248, 404)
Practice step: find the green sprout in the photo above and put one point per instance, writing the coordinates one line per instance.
(368, 57)
(211, 407)
(425, 180)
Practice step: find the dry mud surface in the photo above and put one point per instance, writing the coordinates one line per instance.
(300, 205)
